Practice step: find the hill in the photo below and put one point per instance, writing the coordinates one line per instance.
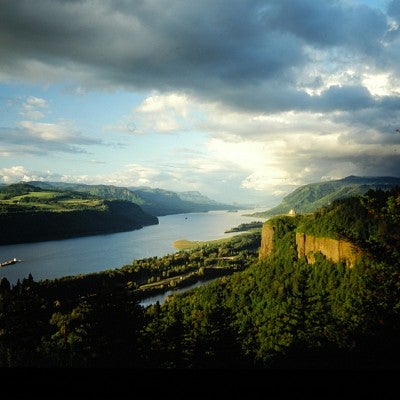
(311, 197)
(30, 214)
(108, 192)
(164, 202)
(156, 202)
(196, 197)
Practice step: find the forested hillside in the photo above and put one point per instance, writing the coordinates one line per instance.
(311, 197)
(156, 202)
(108, 192)
(279, 312)
(165, 202)
(31, 214)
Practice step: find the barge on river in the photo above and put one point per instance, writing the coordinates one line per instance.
(9, 262)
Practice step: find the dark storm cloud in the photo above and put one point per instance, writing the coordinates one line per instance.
(329, 23)
(382, 116)
(243, 53)
(345, 98)
(375, 164)
(273, 97)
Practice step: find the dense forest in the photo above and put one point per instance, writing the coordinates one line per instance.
(278, 312)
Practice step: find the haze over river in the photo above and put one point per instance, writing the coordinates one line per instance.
(58, 258)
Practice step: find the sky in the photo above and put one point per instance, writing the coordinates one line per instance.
(242, 100)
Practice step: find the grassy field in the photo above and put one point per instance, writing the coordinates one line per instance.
(38, 195)
(51, 201)
(183, 244)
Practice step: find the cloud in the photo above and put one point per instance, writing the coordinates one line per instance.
(296, 154)
(245, 54)
(19, 173)
(277, 152)
(35, 102)
(33, 108)
(130, 175)
(37, 138)
(328, 24)
(260, 57)
(167, 113)
(287, 92)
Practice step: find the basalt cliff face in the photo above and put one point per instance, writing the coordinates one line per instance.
(267, 240)
(307, 245)
(333, 249)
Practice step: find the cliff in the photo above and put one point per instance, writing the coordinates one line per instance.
(267, 240)
(333, 249)
(307, 245)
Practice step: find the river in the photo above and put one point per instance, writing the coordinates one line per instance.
(162, 296)
(58, 258)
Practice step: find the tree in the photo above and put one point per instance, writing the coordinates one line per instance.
(5, 286)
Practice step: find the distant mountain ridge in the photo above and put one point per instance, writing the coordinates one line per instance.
(313, 196)
(165, 202)
(157, 202)
(196, 197)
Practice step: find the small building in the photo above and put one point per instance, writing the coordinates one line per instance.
(292, 213)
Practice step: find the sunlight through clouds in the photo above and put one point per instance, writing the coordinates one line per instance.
(264, 95)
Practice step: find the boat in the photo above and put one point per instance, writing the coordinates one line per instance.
(9, 262)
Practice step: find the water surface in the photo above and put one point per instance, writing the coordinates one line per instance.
(58, 258)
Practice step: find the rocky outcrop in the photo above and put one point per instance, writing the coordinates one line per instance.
(333, 249)
(307, 246)
(267, 240)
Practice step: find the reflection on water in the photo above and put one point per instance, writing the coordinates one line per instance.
(58, 258)
(161, 297)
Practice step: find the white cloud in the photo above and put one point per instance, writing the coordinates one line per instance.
(39, 138)
(163, 113)
(13, 174)
(62, 132)
(33, 107)
(35, 102)
(130, 175)
(381, 84)
(173, 102)
(47, 131)
(20, 173)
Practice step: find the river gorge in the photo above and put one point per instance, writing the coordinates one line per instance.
(58, 258)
